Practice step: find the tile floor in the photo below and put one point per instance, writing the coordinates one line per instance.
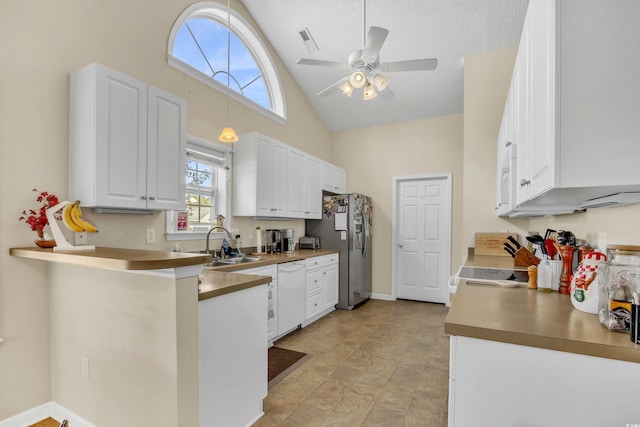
(384, 364)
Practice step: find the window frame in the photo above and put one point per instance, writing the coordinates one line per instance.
(211, 148)
(247, 34)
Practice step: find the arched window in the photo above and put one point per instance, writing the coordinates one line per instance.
(198, 47)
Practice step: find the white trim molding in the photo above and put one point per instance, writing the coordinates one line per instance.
(44, 411)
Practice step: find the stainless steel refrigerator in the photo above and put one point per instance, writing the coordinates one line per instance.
(346, 225)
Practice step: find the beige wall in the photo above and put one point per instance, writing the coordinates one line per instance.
(373, 156)
(40, 44)
(487, 78)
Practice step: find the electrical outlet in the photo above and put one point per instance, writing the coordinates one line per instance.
(80, 238)
(84, 367)
(151, 236)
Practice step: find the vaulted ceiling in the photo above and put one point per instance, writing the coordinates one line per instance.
(447, 30)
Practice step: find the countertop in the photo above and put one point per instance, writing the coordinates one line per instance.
(114, 258)
(216, 281)
(270, 259)
(220, 280)
(532, 318)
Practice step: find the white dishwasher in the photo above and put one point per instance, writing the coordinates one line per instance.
(291, 296)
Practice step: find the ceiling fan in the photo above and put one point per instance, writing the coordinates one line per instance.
(365, 67)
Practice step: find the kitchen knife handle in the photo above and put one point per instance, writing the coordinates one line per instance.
(514, 241)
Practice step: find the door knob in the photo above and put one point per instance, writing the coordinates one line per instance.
(400, 245)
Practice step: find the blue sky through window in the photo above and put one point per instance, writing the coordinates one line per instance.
(209, 56)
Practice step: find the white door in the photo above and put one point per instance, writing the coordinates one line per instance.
(422, 224)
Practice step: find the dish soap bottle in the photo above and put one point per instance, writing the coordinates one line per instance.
(544, 275)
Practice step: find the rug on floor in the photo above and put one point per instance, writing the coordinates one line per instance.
(282, 362)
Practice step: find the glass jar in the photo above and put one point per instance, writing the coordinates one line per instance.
(618, 279)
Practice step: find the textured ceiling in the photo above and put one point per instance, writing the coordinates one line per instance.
(444, 29)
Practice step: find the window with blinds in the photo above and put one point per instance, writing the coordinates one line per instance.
(207, 192)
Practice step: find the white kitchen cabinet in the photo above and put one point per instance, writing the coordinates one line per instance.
(516, 381)
(313, 188)
(272, 179)
(321, 286)
(296, 183)
(334, 179)
(127, 142)
(232, 370)
(579, 102)
(259, 176)
(272, 297)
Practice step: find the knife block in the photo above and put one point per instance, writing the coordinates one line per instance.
(524, 258)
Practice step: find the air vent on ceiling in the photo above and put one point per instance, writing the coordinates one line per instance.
(309, 43)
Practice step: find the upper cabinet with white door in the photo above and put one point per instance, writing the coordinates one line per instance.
(577, 105)
(334, 179)
(127, 142)
(259, 176)
(274, 180)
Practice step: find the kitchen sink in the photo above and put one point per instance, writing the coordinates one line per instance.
(232, 261)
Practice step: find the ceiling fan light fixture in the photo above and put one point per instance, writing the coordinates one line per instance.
(347, 89)
(381, 82)
(357, 79)
(369, 92)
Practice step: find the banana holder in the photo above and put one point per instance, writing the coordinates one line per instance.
(61, 242)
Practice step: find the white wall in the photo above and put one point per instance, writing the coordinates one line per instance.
(41, 43)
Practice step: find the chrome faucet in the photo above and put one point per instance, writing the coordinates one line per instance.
(216, 228)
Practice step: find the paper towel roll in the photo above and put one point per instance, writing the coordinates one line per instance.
(259, 243)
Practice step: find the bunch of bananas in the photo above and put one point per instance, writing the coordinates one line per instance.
(74, 220)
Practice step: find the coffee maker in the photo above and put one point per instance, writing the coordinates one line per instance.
(288, 244)
(274, 241)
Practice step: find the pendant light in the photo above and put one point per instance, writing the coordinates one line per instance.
(228, 134)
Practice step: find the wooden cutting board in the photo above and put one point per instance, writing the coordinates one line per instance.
(491, 243)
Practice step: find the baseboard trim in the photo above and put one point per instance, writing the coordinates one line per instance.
(41, 412)
(383, 297)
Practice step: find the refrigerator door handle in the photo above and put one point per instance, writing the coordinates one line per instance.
(366, 234)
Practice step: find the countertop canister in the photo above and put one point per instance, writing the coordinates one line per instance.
(618, 279)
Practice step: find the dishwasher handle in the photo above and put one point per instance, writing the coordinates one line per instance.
(290, 267)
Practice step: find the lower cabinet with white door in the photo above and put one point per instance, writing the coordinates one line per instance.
(321, 287)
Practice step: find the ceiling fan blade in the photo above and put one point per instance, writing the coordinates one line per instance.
(373, 44)
(333, 87)
(386, 94)
(411, 65)
(322, 63)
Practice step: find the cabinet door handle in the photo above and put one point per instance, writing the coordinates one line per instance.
(508, 144)
(152, 197)
(143, 197)
(524, 182)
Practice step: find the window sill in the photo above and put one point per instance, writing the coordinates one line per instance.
(189, 235)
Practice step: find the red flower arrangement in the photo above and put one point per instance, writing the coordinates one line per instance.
(38, 219)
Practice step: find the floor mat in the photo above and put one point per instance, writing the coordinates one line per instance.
(282, 362)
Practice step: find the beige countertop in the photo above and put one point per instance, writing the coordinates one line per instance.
(114, 258)
(216, 281)
(222, 280)
(270, 259)
(532, 318)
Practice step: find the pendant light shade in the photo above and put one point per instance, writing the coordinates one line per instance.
(228, 134)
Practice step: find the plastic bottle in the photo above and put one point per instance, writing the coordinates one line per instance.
(544, 276)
